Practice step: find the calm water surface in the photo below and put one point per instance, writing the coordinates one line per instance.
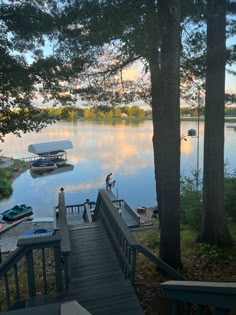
(125, 149)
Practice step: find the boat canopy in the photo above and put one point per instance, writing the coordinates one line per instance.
(50, 147)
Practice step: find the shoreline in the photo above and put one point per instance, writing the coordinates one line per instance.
(10, 169)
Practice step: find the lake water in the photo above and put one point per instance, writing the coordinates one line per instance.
(123, 148)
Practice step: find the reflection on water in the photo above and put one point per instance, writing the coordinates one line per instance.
(121, 147)
(58, 170)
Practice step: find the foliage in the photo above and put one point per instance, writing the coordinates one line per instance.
(5, 184)
(7, 176)
(150, 237)
(23, 27)
(190, 201)
(200, 261)
(209, 253)
(19, 118)
(72, 112)
(230, 196)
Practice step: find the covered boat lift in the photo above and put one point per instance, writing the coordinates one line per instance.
(52, 154)
(50, 148)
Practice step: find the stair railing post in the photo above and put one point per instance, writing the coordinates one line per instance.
(58, 268)
(30, 273)
(65, 240)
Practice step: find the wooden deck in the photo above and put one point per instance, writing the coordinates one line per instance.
(97, 281)
(14, 231)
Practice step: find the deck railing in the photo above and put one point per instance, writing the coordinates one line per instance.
(122, 204)
(123, 241)
(83, 209)
(195, 297)
(186, 297)
(74, 209)
(34, 268)
(29, 158)
(119, 234)
(160, 264)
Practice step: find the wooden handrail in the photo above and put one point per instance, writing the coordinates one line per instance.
(219, 296)
(122, 240)
(160, 263)
(26, 248)
(102, 197)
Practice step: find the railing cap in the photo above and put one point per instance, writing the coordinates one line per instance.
(36, 241)
(203, 286)
(102, 196)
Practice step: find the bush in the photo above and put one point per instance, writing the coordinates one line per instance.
(230, 196)
(7, 177)
(191, 199)
(5, 185)
(190, 202)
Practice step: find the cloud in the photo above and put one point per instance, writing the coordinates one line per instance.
(231, 91)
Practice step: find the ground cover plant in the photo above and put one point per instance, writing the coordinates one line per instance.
(199, 262)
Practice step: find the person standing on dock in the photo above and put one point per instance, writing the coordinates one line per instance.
(107, 180)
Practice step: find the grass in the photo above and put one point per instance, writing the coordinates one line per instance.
(200, 261)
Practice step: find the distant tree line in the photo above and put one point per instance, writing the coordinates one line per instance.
(193, 111)
(74, 112)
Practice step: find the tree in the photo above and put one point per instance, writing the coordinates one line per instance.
(214, 229)
(26, 71)
(94, 41)
(151, 33)
(166, 124)
(18, 35)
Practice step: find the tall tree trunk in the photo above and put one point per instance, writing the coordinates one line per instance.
(166, 125)
(214, 229)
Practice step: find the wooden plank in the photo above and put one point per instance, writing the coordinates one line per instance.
(76, 272)
(97, 281)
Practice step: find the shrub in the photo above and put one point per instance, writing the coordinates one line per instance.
(5, 185)
(230, 196)
(190, 202)
(7, 177)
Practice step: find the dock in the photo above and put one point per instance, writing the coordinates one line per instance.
(11, 233)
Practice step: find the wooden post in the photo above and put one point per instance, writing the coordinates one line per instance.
(65, 239)
(30, 273)
(58, 269)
